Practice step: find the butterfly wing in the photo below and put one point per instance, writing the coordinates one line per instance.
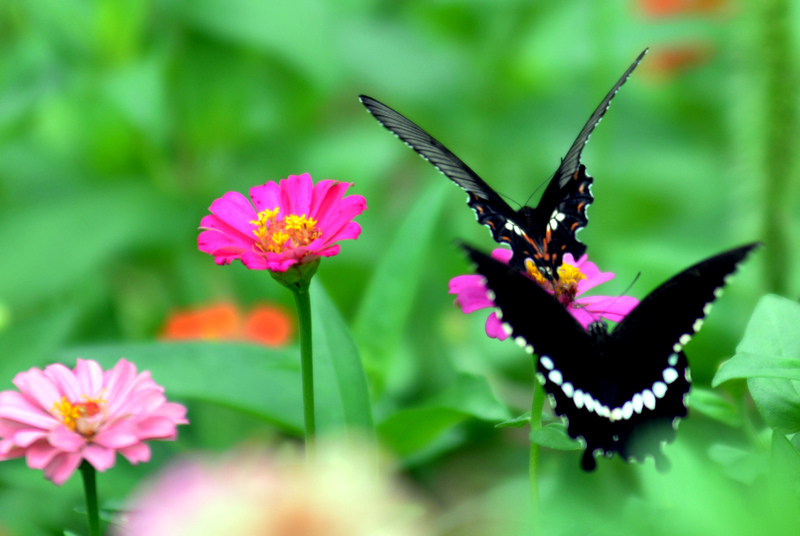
(646, 357)
(562, 208)
(489, 207)
(569, 364)
(621, 392)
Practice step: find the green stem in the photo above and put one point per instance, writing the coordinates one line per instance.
(303, 301)
(90, 490)
(536, 422)
(780, 161)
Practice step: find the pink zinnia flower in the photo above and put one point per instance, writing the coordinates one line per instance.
(575, 278)
(60, 417)
(294, 222)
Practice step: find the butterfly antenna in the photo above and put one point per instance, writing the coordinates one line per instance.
(621, 295)
(539, 188)
(510, 200)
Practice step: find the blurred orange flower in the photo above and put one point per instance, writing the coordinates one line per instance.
(266, 324)
(671, 8)
(676, 59)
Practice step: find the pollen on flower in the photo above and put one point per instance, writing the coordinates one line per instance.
(81, 416)
(570, 274)
(534, 272)
(275, 235)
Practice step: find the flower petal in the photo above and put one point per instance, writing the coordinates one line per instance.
(470, 293)
(613, 308)
(266, 197)
(140, 452)
(62, 467)
(101, 458)
(494, 328)
(65, 439)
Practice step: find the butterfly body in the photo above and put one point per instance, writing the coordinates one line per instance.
(543, 234)
(622, 390)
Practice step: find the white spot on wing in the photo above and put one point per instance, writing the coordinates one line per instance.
(627, 410)
(649, 399)
(546, 362)
(637, 403)
(670, 375)
(555, 377)
(685, 338)
(578, 399)
(697, 325)
(588, 401)
(673, 360)
(568, 389)
(659, 389)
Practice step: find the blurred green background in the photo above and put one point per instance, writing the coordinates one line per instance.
(122, 120)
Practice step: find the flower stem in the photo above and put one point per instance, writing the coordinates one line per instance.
(780, 157)
(90, 490)
(536, 422)
(303, 301)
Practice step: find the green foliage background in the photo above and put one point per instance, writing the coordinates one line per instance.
(122, 120)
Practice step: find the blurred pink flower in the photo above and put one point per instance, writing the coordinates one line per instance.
(60, 417)
(253, 494)
(575, 278)
(294, 222)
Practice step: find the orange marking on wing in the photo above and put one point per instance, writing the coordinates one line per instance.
(480, 209)
(580, 188)
(574, 225)
(490, 223)
(580, 206)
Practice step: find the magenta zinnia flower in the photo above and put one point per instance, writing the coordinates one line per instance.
(60, 417)
(575, 278)
(294, 222)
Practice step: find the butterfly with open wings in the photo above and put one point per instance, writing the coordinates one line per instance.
(622, 391)
(543, 234)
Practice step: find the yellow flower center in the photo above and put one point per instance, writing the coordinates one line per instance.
(83, 417)
(275, 235)
(565, 288)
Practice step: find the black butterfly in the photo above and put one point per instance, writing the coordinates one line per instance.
(621, 391)
(544, 233)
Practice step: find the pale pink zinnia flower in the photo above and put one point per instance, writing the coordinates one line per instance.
(294, 222)
(255, 494)
(575, 278)
(60, 417)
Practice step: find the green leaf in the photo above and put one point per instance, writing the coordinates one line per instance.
(769, 357)
(70, 533)
(778, 403)
(410, 430)
(554, 436)
(750, 365)
(390, 293)
(738, 464)
(714, 405)
(784, 482)
(516, 422)
(272, 28)
(33, 342)
(118, 217)
(340, 384)
(260, 381)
